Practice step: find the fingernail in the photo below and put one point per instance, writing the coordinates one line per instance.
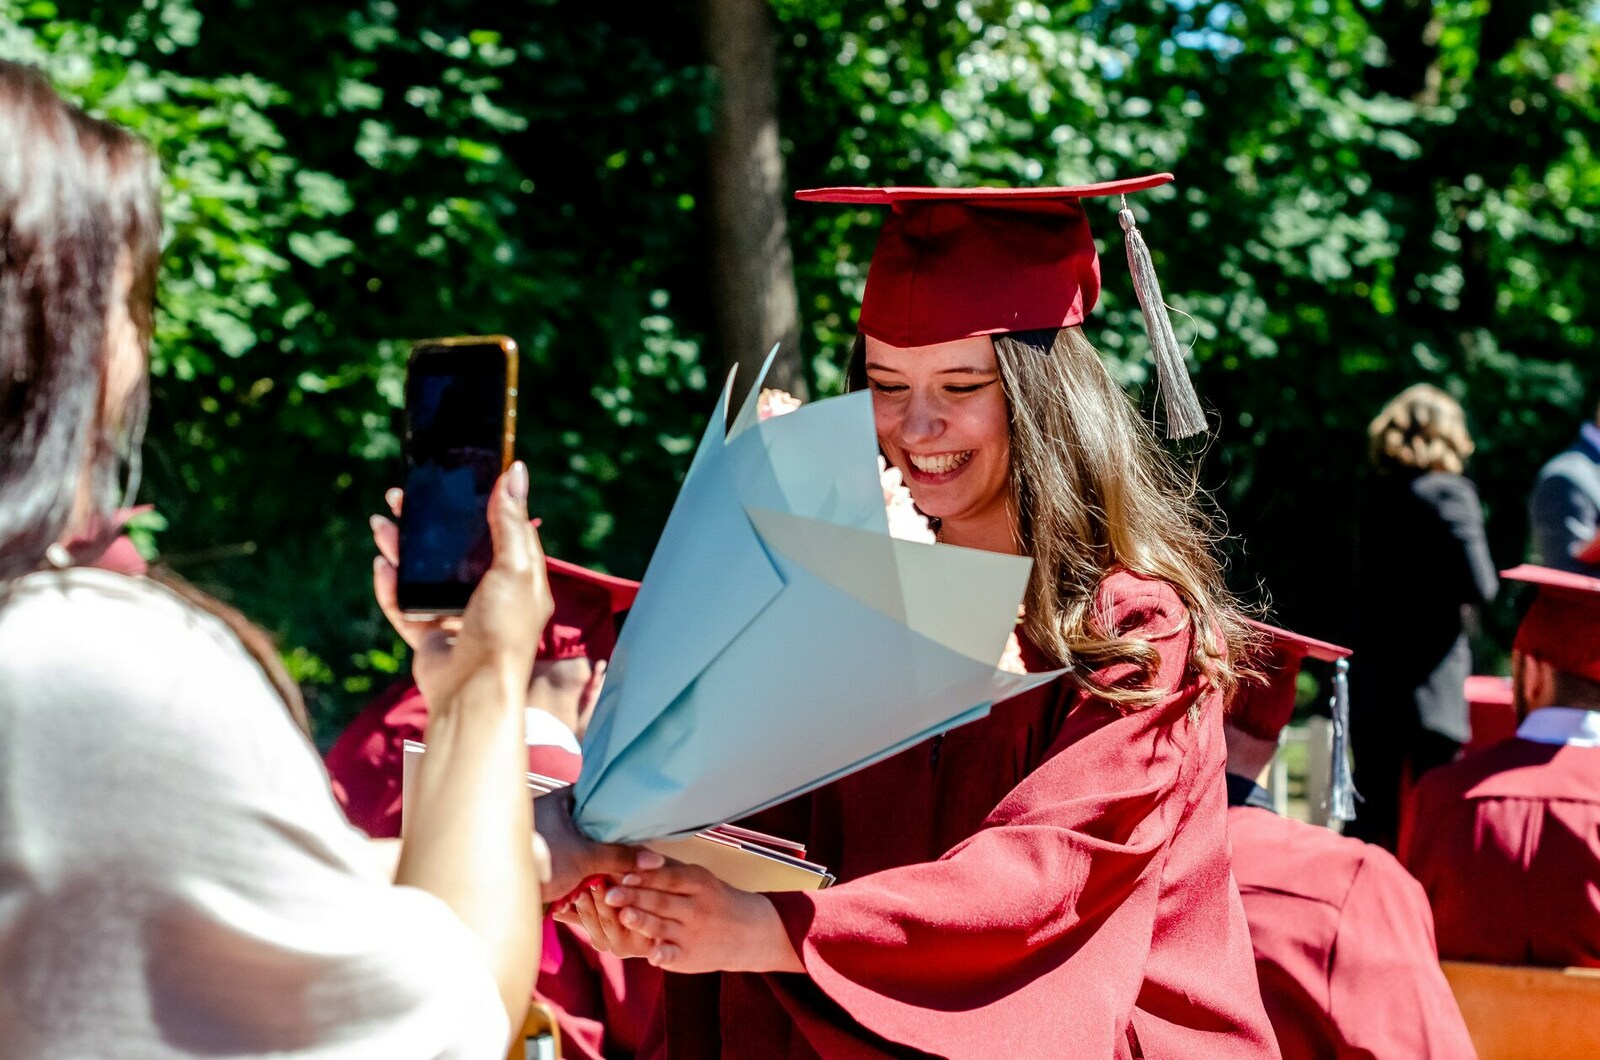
(615, 897)
(377, 563)
(517, 481)
(631, 880)
(649, 859)
(375, 522)
(628, 917)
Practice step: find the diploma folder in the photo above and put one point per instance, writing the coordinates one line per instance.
(739, 857)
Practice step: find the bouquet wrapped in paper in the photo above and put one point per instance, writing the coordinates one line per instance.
(782, 636)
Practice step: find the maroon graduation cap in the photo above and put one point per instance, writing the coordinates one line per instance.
(953, 263)
(1262, 708)
(587, 603)
(1562, 627)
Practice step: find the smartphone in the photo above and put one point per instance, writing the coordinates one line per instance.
(460, 420)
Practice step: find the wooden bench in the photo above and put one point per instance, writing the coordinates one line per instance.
(1549, 1013)
(539, 1040)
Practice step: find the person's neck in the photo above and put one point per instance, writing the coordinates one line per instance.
(994, 532)
(1249, 756)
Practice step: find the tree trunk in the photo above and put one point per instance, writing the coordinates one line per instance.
(752, 266)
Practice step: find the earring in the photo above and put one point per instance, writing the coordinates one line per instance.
(58, 556)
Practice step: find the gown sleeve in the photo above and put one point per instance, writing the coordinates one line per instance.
(1461, 511)
(1030, 937)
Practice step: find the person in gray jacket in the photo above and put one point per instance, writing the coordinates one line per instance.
(1425, 569)
(1564, 507)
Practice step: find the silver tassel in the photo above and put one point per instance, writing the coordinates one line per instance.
(1342, 793)
(1182, 404)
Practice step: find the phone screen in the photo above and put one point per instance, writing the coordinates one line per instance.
(455, 448)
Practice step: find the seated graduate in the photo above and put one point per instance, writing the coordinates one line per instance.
(366, 761)
(1051, 880)
(1507, 841)
(1342, 934)
(601, 1002)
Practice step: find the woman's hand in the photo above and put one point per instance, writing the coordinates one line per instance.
(587, 909)
(693, 922)
(500, 629)
(573, 856)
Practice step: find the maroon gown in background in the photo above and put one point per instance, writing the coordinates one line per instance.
(1344, 945)
(1050, 881)
(602, 1003)
(1506, 843)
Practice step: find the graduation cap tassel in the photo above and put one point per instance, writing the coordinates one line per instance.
(1342, 791)
(1182, 404)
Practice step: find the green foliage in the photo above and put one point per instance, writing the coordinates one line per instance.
(1355, 210)
(341, 180)
(1369, 194)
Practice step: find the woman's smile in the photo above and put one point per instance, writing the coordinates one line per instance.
(932, 469)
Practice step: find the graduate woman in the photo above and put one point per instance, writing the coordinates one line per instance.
(1052, 880)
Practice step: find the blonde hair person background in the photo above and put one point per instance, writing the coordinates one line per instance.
(175, 877)
(1421, 429)
(1424, 569)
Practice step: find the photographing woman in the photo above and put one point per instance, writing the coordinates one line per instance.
(175, 877)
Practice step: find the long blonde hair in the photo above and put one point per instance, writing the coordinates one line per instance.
(1096, 492)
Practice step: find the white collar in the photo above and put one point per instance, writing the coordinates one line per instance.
(546, 730)
(1567, 726)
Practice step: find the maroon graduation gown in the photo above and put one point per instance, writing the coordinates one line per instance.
(1050, 881)
(602, 1003)
(366, 762)
(1344, 944)
(1506, 843)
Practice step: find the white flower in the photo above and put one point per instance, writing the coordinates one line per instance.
(775, 403)
(905, 522)
(1011, 661)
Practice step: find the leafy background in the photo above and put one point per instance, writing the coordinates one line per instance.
(1370, 193)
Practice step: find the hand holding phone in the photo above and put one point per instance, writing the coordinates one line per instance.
(460, 421)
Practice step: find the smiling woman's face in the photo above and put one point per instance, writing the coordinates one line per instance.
(942, 420)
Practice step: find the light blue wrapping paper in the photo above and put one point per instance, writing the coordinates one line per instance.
(781, 638)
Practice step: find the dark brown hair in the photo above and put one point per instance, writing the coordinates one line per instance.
(78, 201)
(1095, 491)
(80, 217)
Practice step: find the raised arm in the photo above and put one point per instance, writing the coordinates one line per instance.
(469, 820)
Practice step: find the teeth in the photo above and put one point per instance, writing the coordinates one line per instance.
(939, 463)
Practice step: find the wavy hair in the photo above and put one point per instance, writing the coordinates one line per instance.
(1422, 429)
(1096, 492)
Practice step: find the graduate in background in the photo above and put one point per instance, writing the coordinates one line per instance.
(365, 762)
(601, 1003)
(1507, 841)
(1564, 505)
(1051, 880)
(1342, 935)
